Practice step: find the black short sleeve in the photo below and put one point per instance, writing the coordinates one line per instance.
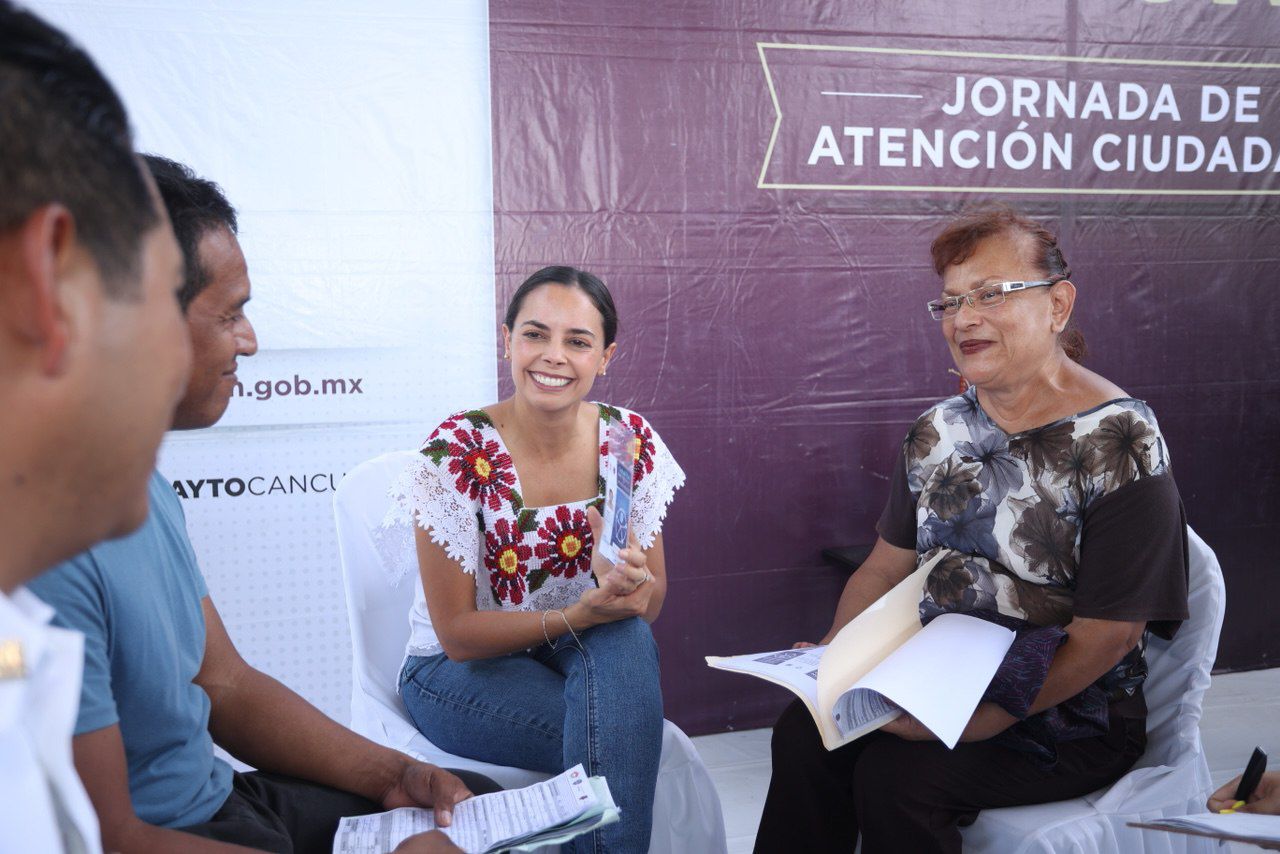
(897, 525)
(1133, 556)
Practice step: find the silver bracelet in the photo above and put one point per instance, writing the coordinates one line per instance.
(544, 627)
(567, 625)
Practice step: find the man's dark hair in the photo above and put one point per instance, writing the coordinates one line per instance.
(196, 207)
(65, 139)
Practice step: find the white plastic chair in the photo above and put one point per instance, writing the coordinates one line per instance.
(1172, 777)
(686, 810)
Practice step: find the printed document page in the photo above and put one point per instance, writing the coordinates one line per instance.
(796, 669)
(483, 822)
(1240, 826)
(939, 675)
(381, 832)
(867, 640)
(480, 823)
(859, 711)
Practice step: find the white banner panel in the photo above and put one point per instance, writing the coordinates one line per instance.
(355, 385)
(354, 141)
(259, 509)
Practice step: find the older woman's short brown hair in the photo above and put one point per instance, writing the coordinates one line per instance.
(961, 237)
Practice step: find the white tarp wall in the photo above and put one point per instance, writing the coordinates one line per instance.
(354, 141)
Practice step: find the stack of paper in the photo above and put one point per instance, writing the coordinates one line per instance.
(546, 813)
(1257, 829)
(883, 663)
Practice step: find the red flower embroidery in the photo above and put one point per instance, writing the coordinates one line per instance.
(566, 543)
(484, 471)
(506, 557)
(643, 447)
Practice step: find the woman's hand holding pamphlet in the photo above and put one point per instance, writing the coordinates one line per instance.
(545, 813)
(883, 663)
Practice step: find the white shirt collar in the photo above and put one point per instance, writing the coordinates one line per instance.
(25, 618)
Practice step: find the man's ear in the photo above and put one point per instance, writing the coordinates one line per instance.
(1063, 295)
(39, 308)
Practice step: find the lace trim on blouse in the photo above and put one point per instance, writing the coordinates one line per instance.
(420, 494)
(654, 495)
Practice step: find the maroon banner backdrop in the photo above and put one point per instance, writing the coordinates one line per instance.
(759, 184)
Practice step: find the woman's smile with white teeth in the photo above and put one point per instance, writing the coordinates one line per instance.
(548, 380)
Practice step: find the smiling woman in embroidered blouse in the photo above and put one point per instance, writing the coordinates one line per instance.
(1049, 493)
(517, 655)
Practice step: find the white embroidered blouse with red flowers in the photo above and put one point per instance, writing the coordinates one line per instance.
(464, 491)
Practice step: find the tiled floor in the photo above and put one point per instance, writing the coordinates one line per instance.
(1241, 711)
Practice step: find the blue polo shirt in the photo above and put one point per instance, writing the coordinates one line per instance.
(137, 601)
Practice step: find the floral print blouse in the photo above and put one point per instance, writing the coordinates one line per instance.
(464, 491)
(1079, 517)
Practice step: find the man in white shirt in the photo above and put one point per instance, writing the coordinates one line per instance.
(93, 359)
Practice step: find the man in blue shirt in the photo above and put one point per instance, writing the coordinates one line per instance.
(163, 680)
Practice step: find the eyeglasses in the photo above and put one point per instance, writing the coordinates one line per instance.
(987, 296)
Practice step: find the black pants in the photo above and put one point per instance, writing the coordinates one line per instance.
(913, 796)
(289, 816)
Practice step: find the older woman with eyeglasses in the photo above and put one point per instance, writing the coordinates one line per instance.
(1048, 491)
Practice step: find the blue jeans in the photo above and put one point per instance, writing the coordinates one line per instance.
(548, 709)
